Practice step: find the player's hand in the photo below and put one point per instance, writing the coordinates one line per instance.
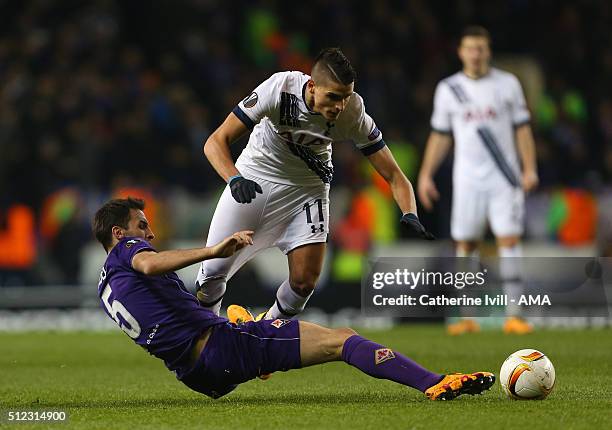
(414, 226)
(228, 246)
(530, 181)
(428, 193)
(243, 190)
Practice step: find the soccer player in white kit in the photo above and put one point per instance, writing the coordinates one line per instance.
(279, 186)
(483, 109)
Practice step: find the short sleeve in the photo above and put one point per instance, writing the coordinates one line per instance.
(364, 133)
(129, 247)
(520, 113)
(261, 102)
(441, 115)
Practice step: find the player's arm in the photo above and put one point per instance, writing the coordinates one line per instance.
(259, 104)
(217, 150)
(527, 152)
(436, 150)
(217, 146)
(385, 164)
(158, 263)
(403, 193)
(524, 137)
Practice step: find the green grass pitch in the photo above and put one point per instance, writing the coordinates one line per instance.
(104, 381)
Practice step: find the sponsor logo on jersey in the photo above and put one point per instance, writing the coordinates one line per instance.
(300, 138)
(251, 100)
(383, 354)
(278, 323)
(131, 242)
(479, 114)
(374, 134)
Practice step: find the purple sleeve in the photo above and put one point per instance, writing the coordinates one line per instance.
(129, 247)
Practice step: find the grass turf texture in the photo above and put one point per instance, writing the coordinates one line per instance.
(104, 381)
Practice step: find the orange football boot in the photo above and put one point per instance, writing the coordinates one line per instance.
(516, 325)
(456, 384)
(465, 325)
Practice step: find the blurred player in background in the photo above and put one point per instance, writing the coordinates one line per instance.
(484, 110)
(279, 187)
(139, 290)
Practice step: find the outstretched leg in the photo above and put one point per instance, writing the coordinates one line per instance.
(319, 345)
(238, 353)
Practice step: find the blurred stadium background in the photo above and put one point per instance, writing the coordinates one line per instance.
(108, 98)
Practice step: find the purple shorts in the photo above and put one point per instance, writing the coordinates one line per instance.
(238, 353)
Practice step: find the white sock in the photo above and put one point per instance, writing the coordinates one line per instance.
(465, 265)
(211, 292)
(288, 303)
(510, 271)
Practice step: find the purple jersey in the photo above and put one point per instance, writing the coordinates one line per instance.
(157, 312)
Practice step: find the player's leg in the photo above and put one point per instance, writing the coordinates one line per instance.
(305, 264)
(467, 248)
(468, 223)
(303, 241)
(471, 263)
(506, 215)
(468, 218)
(510, 249)
(320, 345)
(230, 217)
(238, 353)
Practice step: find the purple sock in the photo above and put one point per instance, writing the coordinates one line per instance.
(381, 362)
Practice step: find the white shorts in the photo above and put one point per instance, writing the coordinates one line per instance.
(284, 216)
(503, 207)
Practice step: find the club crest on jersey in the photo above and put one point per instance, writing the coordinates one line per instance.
(278, 323)
(131, 242)
(374, 134)
(251, 100)
(383, 354)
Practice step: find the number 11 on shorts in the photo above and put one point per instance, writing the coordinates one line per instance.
(314, 227)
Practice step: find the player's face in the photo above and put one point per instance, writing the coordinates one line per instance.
(475, 54)
(330, 98)
(138, 226)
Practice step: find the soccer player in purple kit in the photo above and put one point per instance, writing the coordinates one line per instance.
(139, 290)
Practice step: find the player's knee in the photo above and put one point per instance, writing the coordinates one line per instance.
(467, 246)
(340, 335)
(508, 241)
(345, 332)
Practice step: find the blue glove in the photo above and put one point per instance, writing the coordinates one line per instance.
(414, 226)
(243, 190)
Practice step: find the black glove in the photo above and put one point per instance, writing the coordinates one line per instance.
(243, 190)
(411, 221)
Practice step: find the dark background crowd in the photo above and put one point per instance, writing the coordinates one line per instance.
(102, 95)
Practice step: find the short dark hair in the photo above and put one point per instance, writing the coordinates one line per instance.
(476, 31)
(114, 212)
(334, 63)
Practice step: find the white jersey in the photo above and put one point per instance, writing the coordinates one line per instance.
(482, 115)
(289, 144)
